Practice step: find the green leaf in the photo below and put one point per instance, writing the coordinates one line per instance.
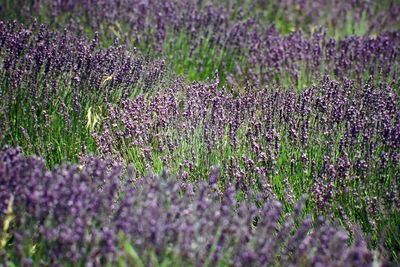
(134, 258)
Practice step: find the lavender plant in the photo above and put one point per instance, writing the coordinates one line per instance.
(95, 216)
(54, 87)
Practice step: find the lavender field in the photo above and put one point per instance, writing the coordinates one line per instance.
(199, 133)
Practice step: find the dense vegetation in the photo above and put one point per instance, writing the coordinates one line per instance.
(184, 132)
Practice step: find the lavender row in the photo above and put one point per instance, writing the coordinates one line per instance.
(93, 215)
(336, 141)
(34, 56)
(142, 16)
(238, 38)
